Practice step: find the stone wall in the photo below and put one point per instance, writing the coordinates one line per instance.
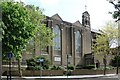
(60, 72)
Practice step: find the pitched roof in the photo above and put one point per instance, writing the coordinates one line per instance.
(57, 17)
(77, 23)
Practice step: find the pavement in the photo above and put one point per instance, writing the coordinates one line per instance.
(61, 77)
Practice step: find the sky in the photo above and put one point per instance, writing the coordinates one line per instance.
(71, 10)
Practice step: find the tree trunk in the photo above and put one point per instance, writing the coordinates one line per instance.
(0, 61)
(19, 68)
(117, 65)
(104, 61)
(34, 49)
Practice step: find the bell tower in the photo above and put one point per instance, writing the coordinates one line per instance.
(86, 37)
(86, 19)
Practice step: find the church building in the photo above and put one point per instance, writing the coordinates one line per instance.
(73, 43)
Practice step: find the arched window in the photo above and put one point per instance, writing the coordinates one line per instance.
(57, 39)
(78, 43)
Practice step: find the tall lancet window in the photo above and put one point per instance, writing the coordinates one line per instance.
(78, 43)
(57, 40)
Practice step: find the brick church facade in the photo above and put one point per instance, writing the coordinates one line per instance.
(73, 42)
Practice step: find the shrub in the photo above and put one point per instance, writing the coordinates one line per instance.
(78, 66)
(70, 67)
(45, 67)
(31, 62)
(107, 68)
(114, 61)
(56, 68)
(37, 68)
(34, 64)
(89, 67)
(30, 68)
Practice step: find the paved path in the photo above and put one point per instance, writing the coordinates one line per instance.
(76, 77)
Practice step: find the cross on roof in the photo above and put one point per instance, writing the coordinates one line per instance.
(85, 7)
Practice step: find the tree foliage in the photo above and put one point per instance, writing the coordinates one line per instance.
(42, 39)
(44, 35)
(116, 14)
(108, 36)
(102, 45)
(18, 26)
(111, 29)
(104, 40)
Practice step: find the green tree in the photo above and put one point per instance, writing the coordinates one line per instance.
(43, 36)
(111, 29)
(102, 47)
(116, 14)
(104, 40)
(41, 41)
(18, 28)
